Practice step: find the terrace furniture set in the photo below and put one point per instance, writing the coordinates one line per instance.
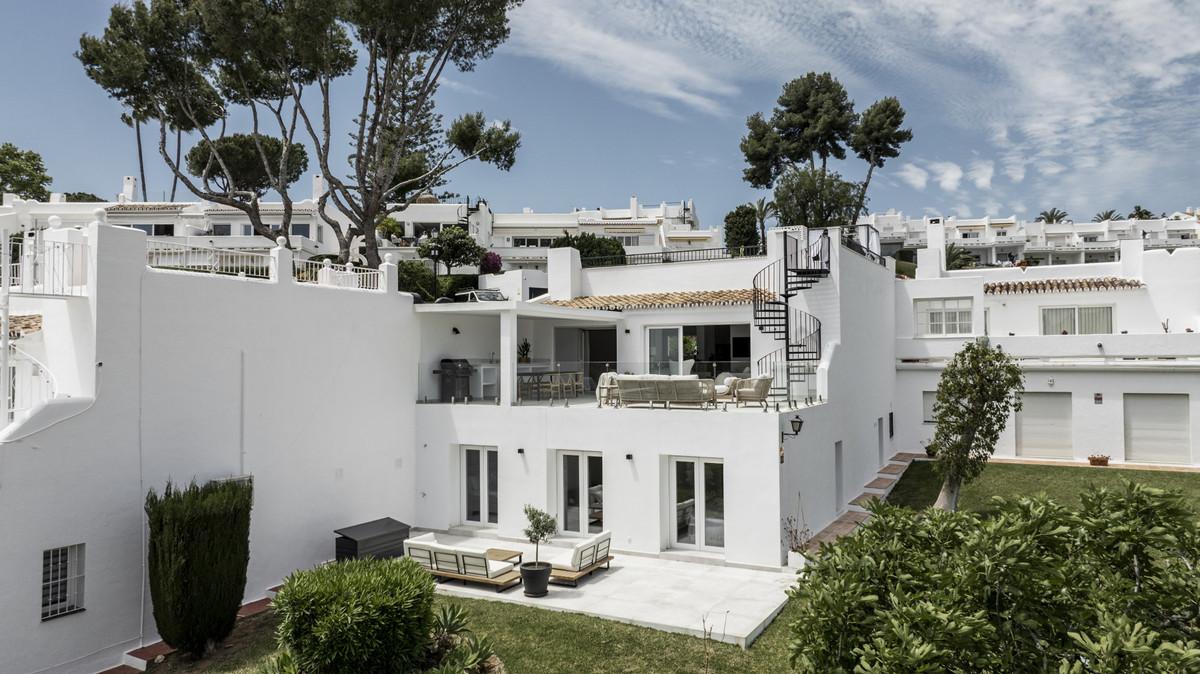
(496, 567)
(674, 390)
(535, 385)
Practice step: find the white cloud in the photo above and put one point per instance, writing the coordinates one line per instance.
(947, 174)
(914, 176)
(1064, 88)
(981, 173)
(461, 87)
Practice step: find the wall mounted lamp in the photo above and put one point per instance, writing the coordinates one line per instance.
(455, 330)
(520, 450)
(629, 457)
(796, 423)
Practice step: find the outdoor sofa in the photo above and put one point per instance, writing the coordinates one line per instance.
(460, 563)
(651, 389)
(582, 560)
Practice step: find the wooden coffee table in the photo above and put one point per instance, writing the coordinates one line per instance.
(502, 555)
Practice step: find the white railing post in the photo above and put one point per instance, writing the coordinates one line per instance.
(388, 275)
(282, 270)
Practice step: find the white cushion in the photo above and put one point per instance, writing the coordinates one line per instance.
(721, 389)
(497, 568)
(561, 561)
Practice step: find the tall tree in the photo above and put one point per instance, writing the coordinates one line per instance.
(243, 164)
(84, 197)
(1139, 213)
(1103, 216)
(978, 390)
(813, 121)
(1053, 215)
(23, 173)
(452, 247)
(810, 197)
(764, 210)
(741, 227)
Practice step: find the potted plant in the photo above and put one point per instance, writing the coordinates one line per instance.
(535, 575)
(523, 351)
(796, 537)
(1098, 459)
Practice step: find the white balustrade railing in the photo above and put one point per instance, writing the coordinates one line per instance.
(206, 260)
(41, 267)
(327, 273)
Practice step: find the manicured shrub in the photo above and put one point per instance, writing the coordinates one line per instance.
(362, 615)
(198, 549)
(449, 286)
(1034, 586)
(416, 277)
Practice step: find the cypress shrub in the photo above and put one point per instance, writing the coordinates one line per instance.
(360, 615)
(198, 550)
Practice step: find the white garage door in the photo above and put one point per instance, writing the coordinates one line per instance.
(1044, 426)
(1156, 428)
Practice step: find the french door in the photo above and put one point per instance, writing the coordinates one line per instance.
(581, 495)
(697, 504)
(480, 485)
(664, 350)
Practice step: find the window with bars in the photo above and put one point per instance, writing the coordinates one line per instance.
(532, 242)
(943, 317)
(1077, 320)
(62, 581)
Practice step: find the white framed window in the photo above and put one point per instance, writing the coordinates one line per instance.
(928, 398)
(157, 230)
(221, 229)
(1093, 320)
(943, 316)
(301, 229)
(630, 240)
(62, 581)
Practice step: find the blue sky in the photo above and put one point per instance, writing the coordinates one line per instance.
(1015, 106)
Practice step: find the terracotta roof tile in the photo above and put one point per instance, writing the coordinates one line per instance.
(1060, 285)
(689, 298)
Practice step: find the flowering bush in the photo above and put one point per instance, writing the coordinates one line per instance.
(490, 263)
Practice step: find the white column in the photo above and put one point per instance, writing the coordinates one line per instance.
(282, 271)
(388, 275)
(508, 357)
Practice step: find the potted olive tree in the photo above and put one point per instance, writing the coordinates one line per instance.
(535, 575)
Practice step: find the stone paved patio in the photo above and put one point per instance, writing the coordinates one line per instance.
(674, 596)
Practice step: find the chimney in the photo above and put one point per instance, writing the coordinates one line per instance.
(633, 206)
(318, 186)
(128, 189)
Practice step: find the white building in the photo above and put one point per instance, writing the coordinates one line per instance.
(326, 385)
(521, 239)
(1003, 241)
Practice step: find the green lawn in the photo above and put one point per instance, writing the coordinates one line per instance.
(533, 641)
(919, 485)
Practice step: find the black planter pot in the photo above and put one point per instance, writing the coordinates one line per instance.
(535, 577)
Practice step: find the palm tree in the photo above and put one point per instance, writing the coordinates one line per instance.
(1053, 215)
(1110, 214)
(764, 210)
(1139, 213)
(958, 258)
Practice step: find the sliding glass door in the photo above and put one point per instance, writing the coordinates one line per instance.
(581, 492)
(480, 485)
(697, 503)
(664, 353)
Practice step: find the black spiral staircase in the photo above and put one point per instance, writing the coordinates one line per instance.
(802, 266)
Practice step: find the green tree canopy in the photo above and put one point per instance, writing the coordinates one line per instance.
(82, 197)
(958, 257)
(877, 137)
(189, 64)
(1110, 214)
(23, 173)
(1033, 587)
(241, 160)
(741, 227)
(452, 247)
(810, 197)
(978, 390)
(600, 250)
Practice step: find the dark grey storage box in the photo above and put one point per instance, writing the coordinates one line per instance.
(378, 538)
